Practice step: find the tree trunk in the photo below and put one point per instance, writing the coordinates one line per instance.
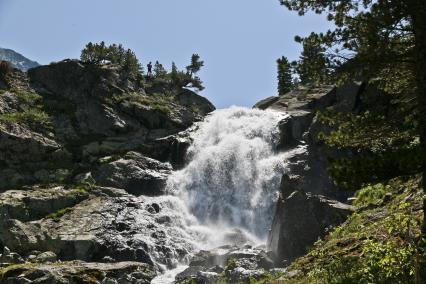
(417, 10)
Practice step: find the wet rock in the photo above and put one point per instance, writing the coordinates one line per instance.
(103, 228)
(231, 263)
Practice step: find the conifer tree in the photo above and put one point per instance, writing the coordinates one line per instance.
(285, 83)
(159, 70)
(195, 65)
(385, 41)
(99, 53)
(312, 65)
(174, 72)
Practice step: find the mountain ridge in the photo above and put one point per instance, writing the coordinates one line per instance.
(17, 59)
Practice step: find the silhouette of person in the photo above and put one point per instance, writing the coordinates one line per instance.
(149, 68)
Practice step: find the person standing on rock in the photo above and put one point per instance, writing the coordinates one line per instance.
(149, 68)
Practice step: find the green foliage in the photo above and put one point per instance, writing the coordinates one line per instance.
(83, 188)
(58, 214)
(195, 65)
(176, 79)
(371, 195)
(160, 102)
(231, 263)
(382, 140)
(30, 109)
(312, 66)
(370, 36)
(12, 269)
(377, 245)
(285, 81)
(373, 41)
(29, 116)
(159, 70)
(99, 53)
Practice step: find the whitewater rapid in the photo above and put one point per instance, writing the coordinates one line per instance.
(227, 192)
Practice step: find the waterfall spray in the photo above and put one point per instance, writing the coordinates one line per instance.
(233, 173)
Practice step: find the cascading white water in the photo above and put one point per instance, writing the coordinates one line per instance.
(233, 173)
(230, 185)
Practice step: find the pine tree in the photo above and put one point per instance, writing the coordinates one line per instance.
(195, 65)
(383, 41)
(285, 83)
(159, 70)
(312, 66)
(99, 53)
(174, 71)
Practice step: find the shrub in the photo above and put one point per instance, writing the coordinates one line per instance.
(58, 214)
(99, 53)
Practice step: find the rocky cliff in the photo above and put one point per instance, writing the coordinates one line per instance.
(77, 144)
(310, 204)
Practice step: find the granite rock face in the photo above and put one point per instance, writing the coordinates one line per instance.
(59, 120)
(304, 218)
(309, 203)
(82, 150)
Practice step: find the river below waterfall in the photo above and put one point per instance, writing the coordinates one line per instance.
(226, 193)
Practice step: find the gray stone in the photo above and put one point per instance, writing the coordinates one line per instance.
(37, 202)
(300, 220)
(265, 103)
(47, 256)
(9, 257)
(81, 272)
(190, 99)
(135, 173)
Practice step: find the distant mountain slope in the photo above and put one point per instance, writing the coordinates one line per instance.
(17, 59)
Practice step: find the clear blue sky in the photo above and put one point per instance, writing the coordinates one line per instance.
(239, 40)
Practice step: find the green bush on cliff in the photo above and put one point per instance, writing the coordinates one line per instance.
(375, 245)
(30, 115)
(30, 109)
(58, 214)
(155, 101)
(99, 53)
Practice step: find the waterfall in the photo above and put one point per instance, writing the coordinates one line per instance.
(228, 189)
(233, 174)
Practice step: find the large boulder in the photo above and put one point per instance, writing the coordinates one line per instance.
(303, 98)
(38, 202)
(135, 173)
(300, 220)
(190, 99)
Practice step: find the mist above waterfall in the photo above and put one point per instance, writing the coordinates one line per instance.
(233, 174)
